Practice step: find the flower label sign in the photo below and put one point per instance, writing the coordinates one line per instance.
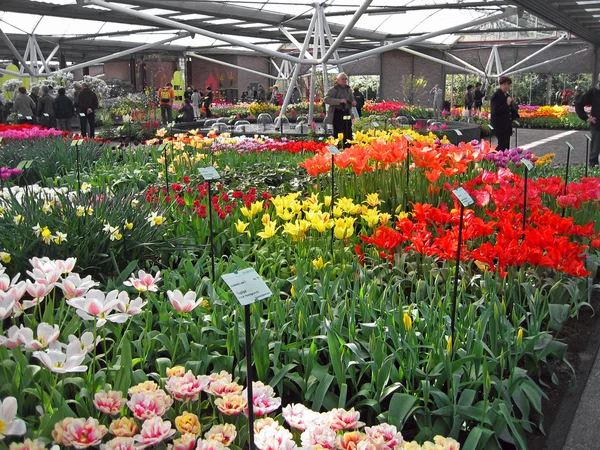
(527, 163)
(209, 173)
(409, 138)
(247, 286)
(463, 196)
(28, 117)
(76, 142)
(81, 114)
(458, 132)
(332, 149)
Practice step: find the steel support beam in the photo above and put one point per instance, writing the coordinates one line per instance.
(414, 40)
(349, 26)
(543, 49)
(40, 54)
(560, 58)
(15, 52)
(191, 29)
(441, 61)
(123, 53)
(464, 63)
(233, 66)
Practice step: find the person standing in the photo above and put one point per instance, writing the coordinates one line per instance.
(64, 110)
(196, 103)
(166, 95)
(261, 94)
(87, 104)
(340, 101)
(208, 99)
(503, 113)
(296, 95)
(46, 109)
(478, 97)
(591, 98)
(469, 102)
(35, 95)
(360, 100)
(24, 106)
(577, 95)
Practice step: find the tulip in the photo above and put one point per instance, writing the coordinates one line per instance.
(9, 424)
(183, 303)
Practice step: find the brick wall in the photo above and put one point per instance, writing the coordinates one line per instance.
(261, 64)
(117, 69)
(158, 73)
(205, 73)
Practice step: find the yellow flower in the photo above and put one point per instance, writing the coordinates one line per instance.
(293, 291)
(269, 231)
(1, 211)
(520, 336)
(175, 371)
(241, 227)
(89, 210)
(5, 257)
(373, 199)
(340, 136)
(402, 215)
(345, 204)
(60, 238)
(46, 235)
(18, 219)
(384, 218)
(285, 214)
(128, 225)
(86, 187)
(449, 345)
(320, 222)
(80, 211)
(116, 236)
(407, 322)
(255, 208)
(188, 423)
(371, 216)
(319, 264)
(154, 219)
(161, 132)
(123, 427)
(47, 208)
(328, 200)
(266, 219)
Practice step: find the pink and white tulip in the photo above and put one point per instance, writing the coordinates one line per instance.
(58, 362)
(272, 438)
(187, 441)
(27, 444)
(7, 304)
(225, 434)
(144, 282)
(187, 387)
(146, 406)
(263, 399)
(120, 443)
(75, 286)
(318, 435)
(340, 419)
(298, 416)
(97, 306)
(205, 444)
(183, 303)
(11, 340)
(46, 335)
(154, 431)
(79, 433)
(11, 425)
(110, 402)
(130, 307)
(386, 433)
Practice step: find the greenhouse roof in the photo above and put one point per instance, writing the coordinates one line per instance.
(88, 29)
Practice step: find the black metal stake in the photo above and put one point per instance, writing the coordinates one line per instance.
(516, 137)
(211, 235)
(407, 178)
(569, 147)
(587, 153)
(78, 168)
(456, 273)
(167, 168)
(332, 195)
(525, 200)
(249, 378)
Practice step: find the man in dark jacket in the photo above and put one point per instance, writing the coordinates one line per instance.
(46, 109)
(207, 102)
(360, 101)
(87, 104)
(64, 110)
(469, 101)
(591, 98)
(478, 97)
(504, 111)
(340, 101)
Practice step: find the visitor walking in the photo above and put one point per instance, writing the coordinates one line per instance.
(503, 113)
(165, 96)
(87, 104)
(196, 103)
(340, 101)
(478, 96)
(469, 98)
(24, 106)
(360, 100)
(208, 99)
(64, 110)
(46, 109)
(437, 100)
(591, 98)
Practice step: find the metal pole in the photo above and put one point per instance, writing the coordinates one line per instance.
(39, 52)
(32, 60)
(560, 58)
(223, 63)
(123, 53)
(330, 39)
(288, 94)
(313, 76)
(340, 38)
(182, 26)
(15, 52)
(321, 29)
(497, 58)
(249, 378)
(533, 55)
(415, 39)
(587, 153)
(440, 61)
(464, 63)
(456, 273)
(293, 40)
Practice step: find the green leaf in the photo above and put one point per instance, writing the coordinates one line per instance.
(401, 407)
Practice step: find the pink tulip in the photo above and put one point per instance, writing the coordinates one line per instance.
(208, 444)
(46, 335)
(130, 307)
(58, 362)
(11, 340)
(7, 303)
(274, 438)
(120, 443)
(318, 435)
(183, 303)
(187, 387)
(298, 416)
(11, 425)
(79, 433)
(110, 402)
(144, 282)
(386, 433)
(187, 441)
(146, 406)
(96, 306)
(154, 431)
(75, 286)
(340, 419)
(225, 434)
(263, 399)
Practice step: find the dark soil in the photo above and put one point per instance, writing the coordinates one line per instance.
(582, 335)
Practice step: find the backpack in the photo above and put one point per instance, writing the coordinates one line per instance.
(165, 95)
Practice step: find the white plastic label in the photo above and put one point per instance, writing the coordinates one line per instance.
(28, 117)
(209, 173)
(527, 164)
(376, 124)
(333, 149)
(81, 114)
(408, 137)
(458, 132)
(46, 115)
(463, 196)
(76, 142)
(247, 286)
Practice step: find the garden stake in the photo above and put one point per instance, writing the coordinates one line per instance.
(516, 137)
(528, 166)
(211, 232)
(78, 167)
(249, 378)
(588, 138)
(456, 273)
(332, 194)
(569, 148)
(167, 167)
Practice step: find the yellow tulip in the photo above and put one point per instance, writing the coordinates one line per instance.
(520, 336)
(319, 264)
(241, 227)
(371, 216)
(373, 199)
(407, 322)
(269, 231)
(449, 345)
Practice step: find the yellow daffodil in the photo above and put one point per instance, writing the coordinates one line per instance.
(18, 219)
(269, 231)
(86, 187)
(5, 257)
(319, 264)
(47, 208)
(80, 211)
(407, 322)
(241, 227)
(154, 219)
(266, 219)
(46, 235)
(128, 225)
(60, 238)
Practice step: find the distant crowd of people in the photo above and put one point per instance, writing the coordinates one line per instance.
(57, 111)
